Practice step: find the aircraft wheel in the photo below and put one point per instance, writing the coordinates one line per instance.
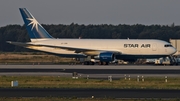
(100, 63)
(107, 63)
(92, 63)
(104, 63)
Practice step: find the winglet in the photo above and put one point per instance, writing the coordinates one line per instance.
(35, 30)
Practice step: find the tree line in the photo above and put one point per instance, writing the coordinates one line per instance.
(18, 33)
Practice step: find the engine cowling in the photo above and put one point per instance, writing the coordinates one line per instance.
(106, 57)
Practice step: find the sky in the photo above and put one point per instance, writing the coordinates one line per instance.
(130, 12)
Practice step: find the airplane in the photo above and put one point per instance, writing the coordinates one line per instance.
(106, 50)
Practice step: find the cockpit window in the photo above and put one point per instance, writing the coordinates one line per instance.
(167, 45)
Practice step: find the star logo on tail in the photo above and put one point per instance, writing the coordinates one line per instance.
(33, 22)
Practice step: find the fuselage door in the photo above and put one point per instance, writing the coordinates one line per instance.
(154, 46)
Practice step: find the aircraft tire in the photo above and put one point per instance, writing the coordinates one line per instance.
(92, 63)
(100, 63)
(107, 63)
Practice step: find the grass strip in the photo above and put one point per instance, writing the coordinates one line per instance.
(68, 82)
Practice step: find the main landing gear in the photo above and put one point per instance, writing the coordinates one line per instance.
(103, 63)
(93, 63)
(88, 63)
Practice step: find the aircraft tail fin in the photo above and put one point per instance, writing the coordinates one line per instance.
(35, 30)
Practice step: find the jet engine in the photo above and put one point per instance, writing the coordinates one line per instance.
(106, 57)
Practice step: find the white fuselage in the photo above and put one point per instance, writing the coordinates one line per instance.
(142, 47)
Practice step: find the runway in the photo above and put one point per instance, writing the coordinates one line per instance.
(95, 71)
(88, 93)
(116, 71)
(90, 67)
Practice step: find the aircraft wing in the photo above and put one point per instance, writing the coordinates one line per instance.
(75, 49)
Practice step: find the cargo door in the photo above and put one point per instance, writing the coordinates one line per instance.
(154, 46)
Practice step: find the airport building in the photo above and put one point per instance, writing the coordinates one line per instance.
(176, 43)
